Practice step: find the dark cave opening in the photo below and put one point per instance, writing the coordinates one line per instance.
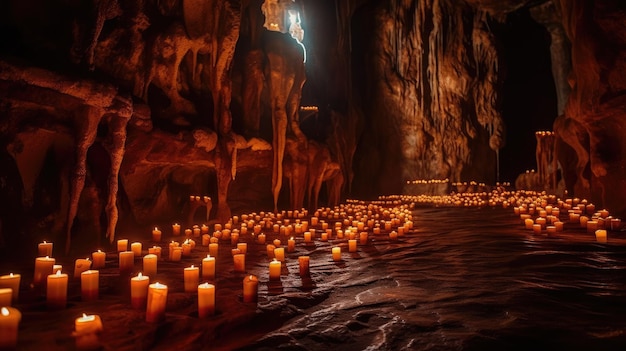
(529, 101)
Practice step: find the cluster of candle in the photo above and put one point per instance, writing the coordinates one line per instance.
(428, 181)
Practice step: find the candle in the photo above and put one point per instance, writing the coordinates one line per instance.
(243, 247)
(11, 281)
(558, 226)
(314, 220)
(157, 300)
(188, 232)
(187, 250)
(9, 321)
(324, 236)
(279, 254)
(126, 262)
(208, 268)
(615, 223)
(45, 249)
(175, 229)
(363, 238)
(206, 239)
(239, 261)
(551, 230)
(122, 245)
(98, 259)
(90, 285)
(537, 228)
(191, 278)
(196, 232)
(291, 245)
(601, 236)
(260, 238)
(177, 253)
(541, 221)
(275, 267)
(155, 250)
(206, 300)
(303, 263)
(528, 223)
(336, 251)
(56, 290)
(270, 251)
(393, 235)
(213, 249)
(81, 265)
(592, 226)
(87, 328)
(43, 268)
(6, 295)
(150, 265)
(156, 234)
(352, 245)
(250, 288)
(136, 248)
(307, 237)
(583, 221)
(139, 291)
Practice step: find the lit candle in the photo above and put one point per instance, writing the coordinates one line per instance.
(188, 232)
(270, 251)
(261, 238)
(56, 290)
(43, 268)
(291, 245)
(314, 220)
(150, 265)
(551, 230)
(177, 254)
(528, 223)
(155, 250)
(139, 291)
(136, 248)
(98, 259)
(175, 229)
(279, 254)
(242, 247)
(90, 285)
(191, 278)
(592, 226)
(601, 236)
(307, 237)
(537, 228)
(122, 245)
(6, 295)
(126, 262)
(583, 221)
(187, 250)
(336, 251)
(303, 263)
(250, 288)
(363, 238)
(558, 226)
(157, 301)
(324, 236)
(11, 281)
(156, 234)
(213, 249)
(206, 300)
(615, 223)
(208, 268)
(352, 245)
(393, 235)
(275, 267)
(206, 239)
(196, 232)
(9, 321)
(87, 328)
(239, 261)
(45, 249)
(81, 265)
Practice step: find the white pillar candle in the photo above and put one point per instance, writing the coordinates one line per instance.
(303, 264)
(139, 291)
(243, 247)
(122, 245)
(44, 249)
(239, 262)
(250, 288)
(214, 249)
(175, 229)
(157, 301)
(126, 262)
(6, 295)
(279, 254)
(208, 268)
(98, 259)
(81, 265)
(56, 290)
(136, 248)
(191, 277)
(336, 251)
(150, 262)
(601, 236)
(87, 328)
(43, 268)
(275, 267)
(90, 285)
(206, 300)
(11, 281)
(352, 245)
(9, 322)
(156, 234)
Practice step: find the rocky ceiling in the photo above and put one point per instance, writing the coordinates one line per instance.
(119, 110)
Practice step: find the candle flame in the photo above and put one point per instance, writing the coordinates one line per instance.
(44, 241)
(5, 311)
(84, 315)
(99, 250)
(11, 275)
(191, 266)
(208, 256)
(155, 228)
(58, 273)
(47, 257)
(139, 275)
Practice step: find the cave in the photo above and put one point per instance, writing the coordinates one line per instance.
(305, 174)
